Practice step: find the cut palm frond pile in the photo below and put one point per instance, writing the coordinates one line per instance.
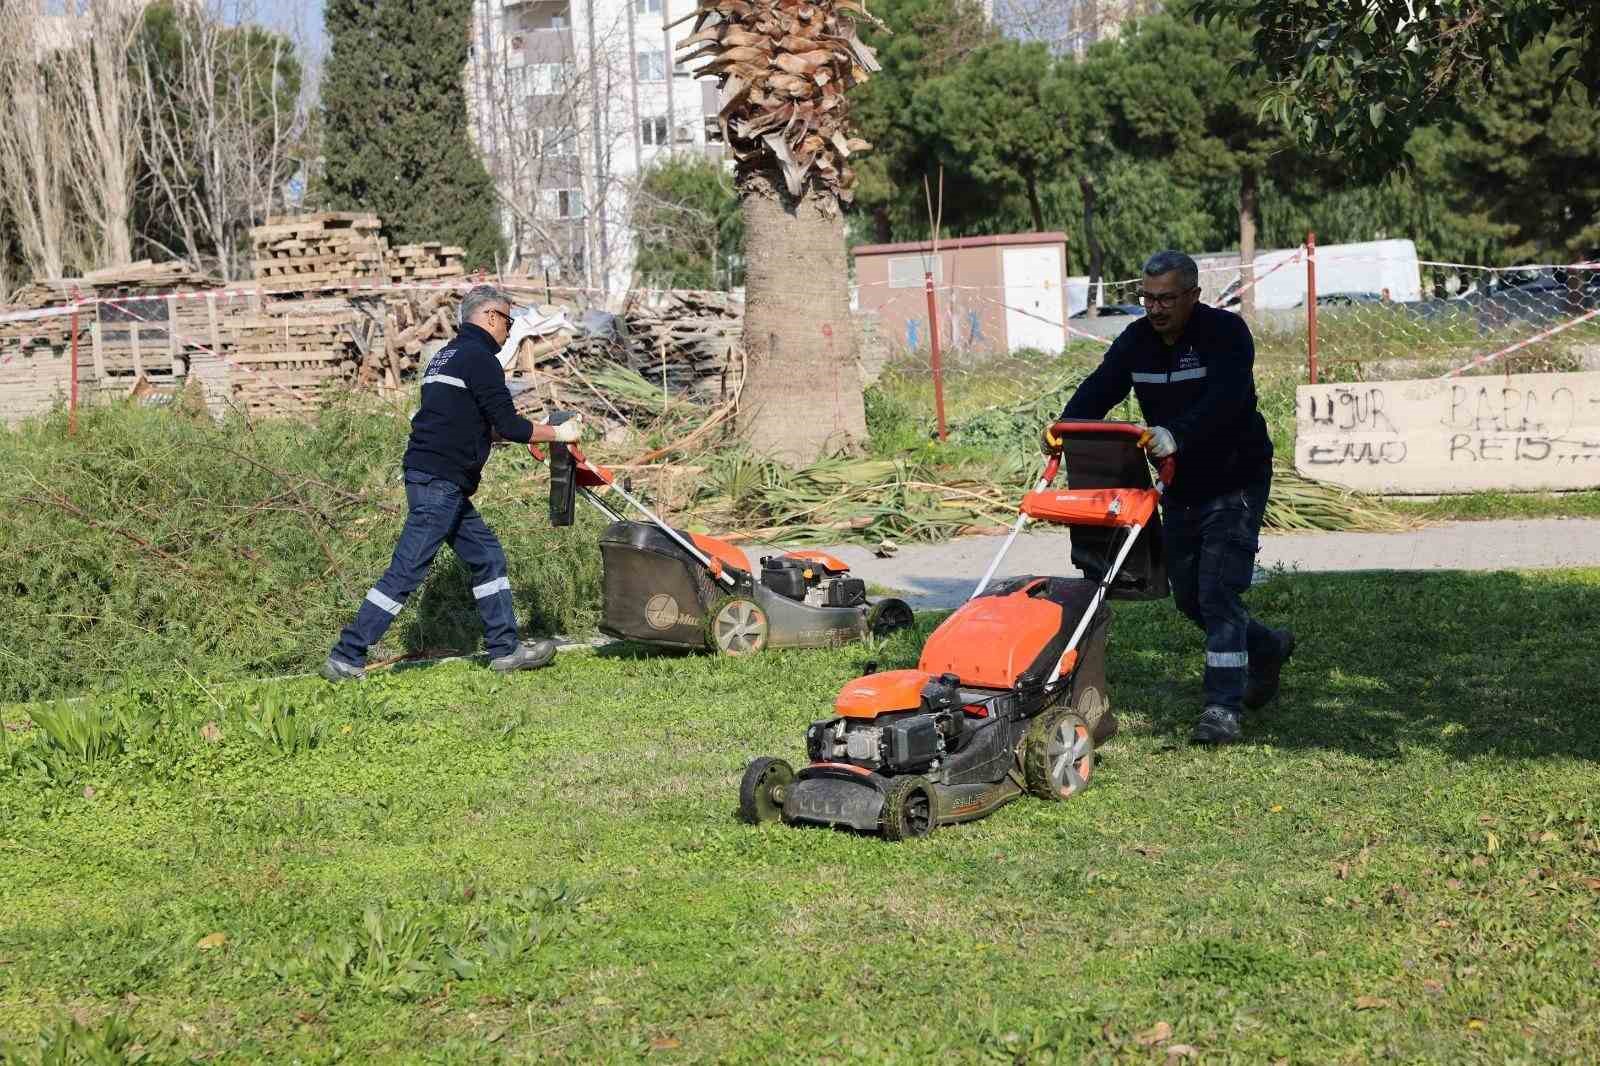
(869, 500)
(784, 67)
(1300, 504)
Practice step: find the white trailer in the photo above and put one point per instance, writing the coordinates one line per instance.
(1367, 271)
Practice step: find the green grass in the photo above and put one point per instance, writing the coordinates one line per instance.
(1480, 505)
(1403, 862)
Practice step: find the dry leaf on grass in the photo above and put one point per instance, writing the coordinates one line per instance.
(1178, 1052)
(211, 940)
(665, 1043)
(1156, 1034)
(1371, 1003)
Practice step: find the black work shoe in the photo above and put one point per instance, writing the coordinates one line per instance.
(1261, 687)
(1217, 725)
(526, 657)
(337, 670)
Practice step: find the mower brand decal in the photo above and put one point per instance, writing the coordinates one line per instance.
(662, 611)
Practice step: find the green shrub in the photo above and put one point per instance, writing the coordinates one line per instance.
(155, 545)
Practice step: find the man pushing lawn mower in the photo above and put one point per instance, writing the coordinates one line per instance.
(1191, 367)
(465, 402)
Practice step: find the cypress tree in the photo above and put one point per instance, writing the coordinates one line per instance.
(395, 138)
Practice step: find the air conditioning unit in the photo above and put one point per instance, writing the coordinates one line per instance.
(684, 134)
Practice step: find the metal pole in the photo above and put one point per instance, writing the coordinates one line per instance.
(72, 396)
(1311, 307)
(933, 336)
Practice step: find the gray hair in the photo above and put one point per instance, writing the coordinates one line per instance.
(1168, 261)
(476, 298)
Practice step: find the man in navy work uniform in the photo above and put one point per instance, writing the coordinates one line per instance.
(464, 401)
(1191, 367)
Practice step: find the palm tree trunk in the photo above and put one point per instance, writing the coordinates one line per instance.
(802, 390)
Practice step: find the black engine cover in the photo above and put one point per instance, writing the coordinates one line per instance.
(912, 742)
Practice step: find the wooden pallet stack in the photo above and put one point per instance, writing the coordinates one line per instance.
(689, 336)
(431, 261)
(312, 253)
(289, 357)
(137, 326)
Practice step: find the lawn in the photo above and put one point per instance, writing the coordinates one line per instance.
(440, 865)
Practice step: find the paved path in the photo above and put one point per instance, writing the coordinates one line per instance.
(942, 575)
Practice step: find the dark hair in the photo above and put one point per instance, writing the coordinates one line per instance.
(1168, 261)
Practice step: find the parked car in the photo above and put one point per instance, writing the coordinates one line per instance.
(1348, 299)
(1113, 310)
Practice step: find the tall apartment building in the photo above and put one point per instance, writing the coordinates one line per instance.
(1068, 26)
(570, 102)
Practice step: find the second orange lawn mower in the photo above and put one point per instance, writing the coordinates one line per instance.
(671, 588)
(1009, 695)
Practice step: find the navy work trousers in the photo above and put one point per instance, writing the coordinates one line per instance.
(1211, 556)
(438, 512)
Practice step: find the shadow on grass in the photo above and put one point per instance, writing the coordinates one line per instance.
(1463, 663)
(1466, 664)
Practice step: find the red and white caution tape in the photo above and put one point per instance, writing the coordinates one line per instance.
(1492, 356)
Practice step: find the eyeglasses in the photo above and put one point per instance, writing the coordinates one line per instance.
(1162, 299)
(502, 314)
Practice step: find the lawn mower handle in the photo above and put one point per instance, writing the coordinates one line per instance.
(1166, 468)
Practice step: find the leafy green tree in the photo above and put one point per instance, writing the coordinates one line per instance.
(394, 136)
(919, 40)
(992, 118)
(1173, 95)
(689, 227)
(1522, 167)
(1361, 75)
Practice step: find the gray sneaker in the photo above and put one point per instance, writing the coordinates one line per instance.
(526, 657)
(1217, 725)
(337, 670)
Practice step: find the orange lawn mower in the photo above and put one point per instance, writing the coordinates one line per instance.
(1009, 693)
(670, 588)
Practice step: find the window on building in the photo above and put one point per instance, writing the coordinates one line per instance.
(652, 66)
(653, 130)
(647, 7)
(556, 141)
(569, 203)
(547, 79)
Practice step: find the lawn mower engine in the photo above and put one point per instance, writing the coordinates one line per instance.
(659, 591)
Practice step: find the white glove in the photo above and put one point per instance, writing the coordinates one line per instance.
(568, 432)
(1158, 442)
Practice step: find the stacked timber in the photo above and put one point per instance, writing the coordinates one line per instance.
(688, 337)
(290, 357)
(430, 261)
(309, 253)
(137, 319)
